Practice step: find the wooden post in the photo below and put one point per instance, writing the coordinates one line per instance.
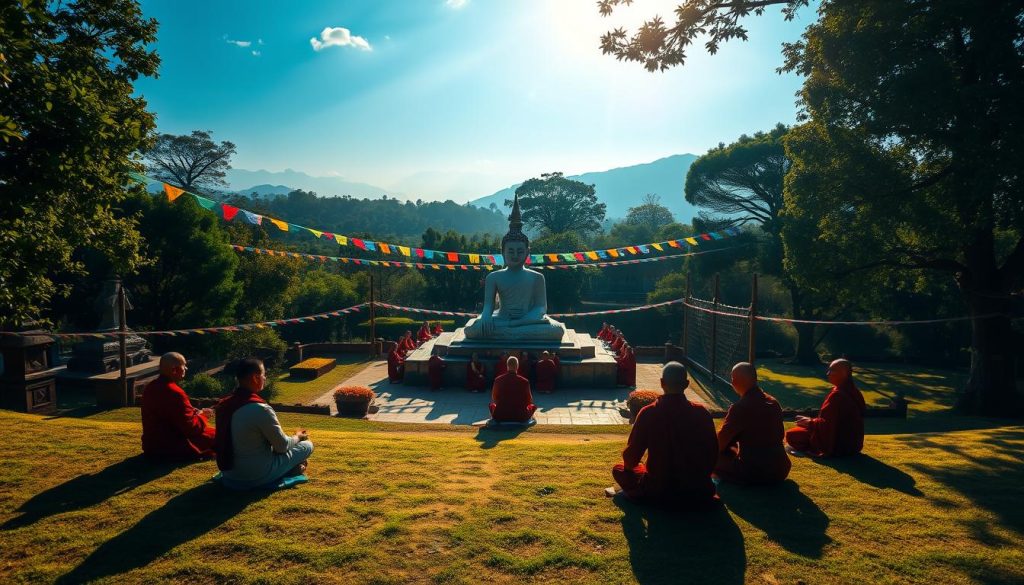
(686, 344)
(122, 340)
(752, 340)
(714, 335)
(373, 320)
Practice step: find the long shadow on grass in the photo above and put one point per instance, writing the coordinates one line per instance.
(671, 546)
(867, 469)
(783, 512)
(182, 519)
(490, 437)
(89, 489)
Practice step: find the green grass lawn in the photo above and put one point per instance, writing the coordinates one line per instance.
(299, 391)
(474, 506)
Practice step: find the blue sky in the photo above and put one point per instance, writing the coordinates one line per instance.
(448, 98)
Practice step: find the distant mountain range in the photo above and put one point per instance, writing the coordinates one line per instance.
(626, 187)
(619, 188)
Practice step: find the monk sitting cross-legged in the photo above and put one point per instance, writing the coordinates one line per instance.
(475, 377)
(407, 343)
(172, 430)
(435, 371)
(679, 439)
(396, 365)
(750, 447)
(603, 333)
(437, 330)
(511, 400)
(839, 427)
(424, 333)
(547, 373)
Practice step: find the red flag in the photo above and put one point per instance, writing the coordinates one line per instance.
(359, 243)
(419, 252)
(230, 211)
(579, 256)
(705, 237)
(453, 257)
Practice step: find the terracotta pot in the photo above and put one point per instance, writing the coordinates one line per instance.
(354, 408)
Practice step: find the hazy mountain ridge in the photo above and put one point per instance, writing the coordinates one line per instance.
(625, 187)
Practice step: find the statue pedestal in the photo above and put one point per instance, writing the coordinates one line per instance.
(585, 363)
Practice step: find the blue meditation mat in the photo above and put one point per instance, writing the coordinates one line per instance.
(283, 483)
(507, 424)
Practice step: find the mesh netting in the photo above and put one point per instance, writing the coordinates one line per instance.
(719, 339)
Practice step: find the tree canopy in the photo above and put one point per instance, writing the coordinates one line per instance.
(71, 131)
(190, 161)
(650, 214)
(555, 204)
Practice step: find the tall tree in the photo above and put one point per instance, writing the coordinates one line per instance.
(742, 184)
(555, 204)
(912, 153)
(70, 128)
(651, 214)
(192, 161)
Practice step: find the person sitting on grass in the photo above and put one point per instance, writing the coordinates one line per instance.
(252, 450)
(547, 374)
(750, 449)
(679, 439)
(172, 430)
(839, 427)
(476, 379)
(396, 365)
(511, 400)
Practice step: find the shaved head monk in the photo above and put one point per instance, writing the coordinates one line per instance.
(511, 400)
(839, 427)
(172, 429)
(750, 449)
(679, 439)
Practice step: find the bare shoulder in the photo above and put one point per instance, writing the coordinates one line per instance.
(534, 274)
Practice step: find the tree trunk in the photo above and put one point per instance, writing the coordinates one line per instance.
(805, 345)
(991, 388)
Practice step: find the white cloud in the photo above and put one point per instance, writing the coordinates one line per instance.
(455, 4)
(242, 44)
(339, 37)
(256, 53)
(259, 41)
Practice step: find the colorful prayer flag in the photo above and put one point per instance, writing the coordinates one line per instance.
(172, 192)
(474, 258)
(229, 211)
(691, 241)
(453, 257)
(385, 248)
(281, 225)
(359, 243)
(592, 255)
(404, 250)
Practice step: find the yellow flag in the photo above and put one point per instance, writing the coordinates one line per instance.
(281, 225)
(592, 255)
(342, 240)
(658, 247)
(474, 258)
(172, 192)
(315, 232)
(614, 253)
(691, 241)
(404, 250)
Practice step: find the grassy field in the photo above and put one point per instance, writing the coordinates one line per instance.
(299, 391)
(472, 506)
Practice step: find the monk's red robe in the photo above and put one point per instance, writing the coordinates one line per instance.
(409, 344)
(839, 427)
(679, 438)
(626, 375)
(424, 334)
(617, 343)
(547, 374)
(437, 329)
(750, 449)
(476, 380)
(501, 366)
(396, 366)
(603, 333)
(511, 399)
(435, 371)
(172, 430)
(528, 368)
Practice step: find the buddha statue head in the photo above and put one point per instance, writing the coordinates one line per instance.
(515, 246)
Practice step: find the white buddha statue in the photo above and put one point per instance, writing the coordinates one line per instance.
(520, 292)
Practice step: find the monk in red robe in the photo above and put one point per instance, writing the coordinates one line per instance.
(511, 400)
(172, 429)
(435, 371)
(501, 366)
(437, 330)
(527, 366)
(396, 365)
(547, 374)
(839, 427)
(750, 449)
(603, 333)
(424, 333)
(476, 378)
(408, 344)
(618, 342)
(626, 374)
(679, 439)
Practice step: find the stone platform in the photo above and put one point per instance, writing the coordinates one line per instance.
(585, 363)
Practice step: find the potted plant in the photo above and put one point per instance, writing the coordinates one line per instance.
(353, 400)
(638, 399)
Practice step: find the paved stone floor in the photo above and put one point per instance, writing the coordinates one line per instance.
(576, 406)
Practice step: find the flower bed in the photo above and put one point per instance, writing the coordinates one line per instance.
(312, 368)
(353, 400)
(638, 399)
